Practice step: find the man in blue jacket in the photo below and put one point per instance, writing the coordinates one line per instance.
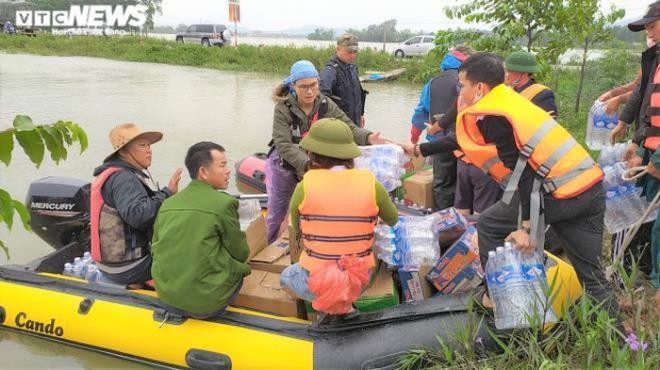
(437, 98)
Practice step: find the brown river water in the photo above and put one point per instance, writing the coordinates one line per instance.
(187, 104)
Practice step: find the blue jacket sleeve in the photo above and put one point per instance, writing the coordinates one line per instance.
(421, 113)
(328, 78)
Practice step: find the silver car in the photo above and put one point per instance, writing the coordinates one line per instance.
(418, 45)
(205, 34)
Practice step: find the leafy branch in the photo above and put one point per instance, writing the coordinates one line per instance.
(35, 140)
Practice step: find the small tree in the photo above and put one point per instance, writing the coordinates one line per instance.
(529, 21)
(587, 24)
(153, 7)
(35, 140)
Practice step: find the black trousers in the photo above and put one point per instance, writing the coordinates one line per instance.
(444, 180)
(577, 221)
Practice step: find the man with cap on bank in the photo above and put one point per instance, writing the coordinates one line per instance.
(336, 228)
(124, 206)
(519, 67)
(340, 80)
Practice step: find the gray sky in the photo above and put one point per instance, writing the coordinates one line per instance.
(276, 15)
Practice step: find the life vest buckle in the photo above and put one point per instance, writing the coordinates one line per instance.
(526, 151)
(549, 186)
(543, 171)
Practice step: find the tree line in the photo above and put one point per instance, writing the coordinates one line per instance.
(385, 31)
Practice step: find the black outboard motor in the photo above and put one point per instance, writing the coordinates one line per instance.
(59, 209)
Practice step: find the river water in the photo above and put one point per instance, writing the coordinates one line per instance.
(187, 104)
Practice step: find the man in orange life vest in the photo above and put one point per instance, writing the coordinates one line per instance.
(550, 178)
(336, 227)
(124, 207)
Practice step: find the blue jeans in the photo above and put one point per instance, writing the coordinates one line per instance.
(294, 279)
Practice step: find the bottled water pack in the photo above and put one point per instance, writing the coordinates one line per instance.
(248, 211)
(624, 204)
(517, 284)
(611, 154)
(386, 162)
(83, 268)
(599, 125)
(409, 244)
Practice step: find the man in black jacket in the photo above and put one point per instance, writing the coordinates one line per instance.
(340, 80)
(128, 206)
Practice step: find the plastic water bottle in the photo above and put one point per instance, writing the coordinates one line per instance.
(599, 126)
(512, 292)
(534, 272)
(91, 274)
(78, 269)
(68, 269)
(386, 162)
(491, 277)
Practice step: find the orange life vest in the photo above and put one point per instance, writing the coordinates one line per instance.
(532, 90)
(565, 166)
(653, 132)
(337, 216)
(96, 204)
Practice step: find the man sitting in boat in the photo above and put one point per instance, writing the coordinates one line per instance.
(200, 253)
(124, 206)
(336, 227)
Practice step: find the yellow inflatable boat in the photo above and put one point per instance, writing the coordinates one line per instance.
(36, 299)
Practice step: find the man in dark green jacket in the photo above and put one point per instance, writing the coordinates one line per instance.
(199, 252)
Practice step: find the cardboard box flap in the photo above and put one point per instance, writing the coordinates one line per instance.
(256, 236)
(272, 252)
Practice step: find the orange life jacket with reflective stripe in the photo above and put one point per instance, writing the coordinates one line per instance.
(337, 216)
(565, 166)
(96, 204)
(532, 90)
(653, 132)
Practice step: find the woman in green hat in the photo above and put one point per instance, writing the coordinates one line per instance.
(333, 211)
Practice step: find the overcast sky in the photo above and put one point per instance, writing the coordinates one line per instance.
(277, 15)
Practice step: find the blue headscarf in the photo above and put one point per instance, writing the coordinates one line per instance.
(299, 70)
(450, 62)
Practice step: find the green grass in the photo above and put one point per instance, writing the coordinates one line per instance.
(267, 59)
(586, 338)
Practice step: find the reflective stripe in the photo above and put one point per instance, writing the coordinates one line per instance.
(338, 218)
(535, 139)
(564, 148)
(532, 90)
(551, 185)
(525, 152)
(512, 185)
(490, 163)
(536, 219)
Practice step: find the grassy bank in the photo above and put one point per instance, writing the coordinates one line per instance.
(269, 59)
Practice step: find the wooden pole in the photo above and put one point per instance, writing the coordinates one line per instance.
(235, 35)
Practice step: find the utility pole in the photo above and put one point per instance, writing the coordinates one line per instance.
(384, 35)
(235, 16)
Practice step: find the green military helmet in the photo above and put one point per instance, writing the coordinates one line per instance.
(521, 61)
(331, 138)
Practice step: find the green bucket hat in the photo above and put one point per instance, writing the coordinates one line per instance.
(521, 61)
(331, 138)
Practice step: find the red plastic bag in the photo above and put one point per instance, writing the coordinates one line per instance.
(338, 284)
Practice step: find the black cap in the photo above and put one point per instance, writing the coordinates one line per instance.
(652, 15)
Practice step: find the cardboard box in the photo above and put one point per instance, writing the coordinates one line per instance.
(450, 225)
(256, 237)
(418, 189)
(295, 247)
(459, 265)
(261, 291)
(414, 286)
(382, 293)
(415, 164)
(273, 258)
